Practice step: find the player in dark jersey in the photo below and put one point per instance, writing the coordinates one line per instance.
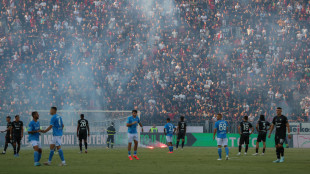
(281, 123)
(18, 132)
(262, 128)
(181, 132)
(82, 132)
(111, 132)
(8, 136)
(245, 130)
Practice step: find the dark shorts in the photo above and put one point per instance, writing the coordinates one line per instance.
(181, 136)
(244, 139)
(279, 139)
(82, 136)
(8, 140)
(110, 138)
(17, 139)
(262, 137)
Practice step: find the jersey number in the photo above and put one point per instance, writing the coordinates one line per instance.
(83, 124)
(245, 127)
(170, 128)
(222, 127)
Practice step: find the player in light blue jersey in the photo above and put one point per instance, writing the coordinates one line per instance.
(221, 130)
(34, 137)
(57, 125)
(169, 130)
(132, 123)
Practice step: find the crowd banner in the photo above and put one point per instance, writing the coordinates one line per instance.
(301, 141)
(300, 128)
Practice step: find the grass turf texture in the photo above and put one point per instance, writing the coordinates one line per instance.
(190, 160)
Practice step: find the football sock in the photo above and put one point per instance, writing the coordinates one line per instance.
(182, 144)
(264, 150)
(177, 145)
(171, 148)
(51, 156)
(246, 148)
(39, 157)
(278, 153)
(112, 145)
(282, 151)
(85, 143)
(5, 147)
(256, 150)
(14, 147)
(135, 153)
(129, 153)
(219, 150)
(108, 144)
(227, 151)
(61, 155)
(239, 148)
(18, 148)
(80, 146)
(36, 156)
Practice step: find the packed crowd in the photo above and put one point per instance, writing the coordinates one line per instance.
(166, 58)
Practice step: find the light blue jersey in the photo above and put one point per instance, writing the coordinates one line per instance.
(221, 127)
(169, 129)
(34, 126)
(56, 122)
(133, 128)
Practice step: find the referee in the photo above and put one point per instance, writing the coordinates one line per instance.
(281, 123)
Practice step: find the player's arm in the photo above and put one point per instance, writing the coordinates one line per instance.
(130, 124)
(214, 132)
(252, 130)
(77, 129)
(239, 129)
(165, 131)
(48, 129)
(185, 129)
(22, 131)
(11, 132)
(270, 130)
(87, 128)
(288, 130)
(257, 127)
(30, 130)
(141, 126)
(174, 130)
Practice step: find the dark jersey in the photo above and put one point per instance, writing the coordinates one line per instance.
(17, 128)
(245, 127)
(182, 126)
(83, 125)
(280, 124)
(263, 126)
(8, 126)
(111, 130)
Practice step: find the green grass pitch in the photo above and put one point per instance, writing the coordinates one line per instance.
(190, 161)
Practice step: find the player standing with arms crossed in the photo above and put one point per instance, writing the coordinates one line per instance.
(181, 132)
(82, 130)
(169, 130)
(281, 123)
(132, 123)
(8, 136)
(18, 132)
(262, 128)
(221, 130)
(57, 125)
(34, 137)
(244, 131)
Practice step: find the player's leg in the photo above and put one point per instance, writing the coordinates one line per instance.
(60, 152)
(14, 147)
(36, 155)
(225, 143)
(219, 151)
(18, 146)
(281, 149)
(241, 141)
(52, 150)
(264, 147)
(130, 139)
(80, 144)
(183, 140)
(7, 140)
(85, 144)
(247, 140)
(135, 147)
(177, 144)
(277, 150)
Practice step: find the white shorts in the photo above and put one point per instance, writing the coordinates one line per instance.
(132, 137)
(169, 139)
(222, 141)
(35, 143)
(56, 140)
